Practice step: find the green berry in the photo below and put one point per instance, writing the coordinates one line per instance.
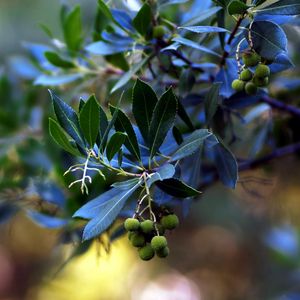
(250, 88)
(131, 224)
(137, 240)
(246, 75)
(262, 71)
(261, 82)
(146, 252)
(250, 59)
(130, 234)
(158, 31)
(158, 242)
(164, 252)
(238, 85)
(160, 229)
(147, 226)
(170, 221)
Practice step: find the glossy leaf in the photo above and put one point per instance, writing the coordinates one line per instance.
(67, 118)
(177, 188)
(142, 20)
(57, 61)
(282, 7)
(162, 120)
(127, 76)
(268, 39)
(164, 172)
(114, 144)
(144, 100)
(203, 29)
(226, 165)
(72, 28)
(60, 138)
(89, 120)
(236, 7)
(191, 144)
(211, 101)
(194, 45)
(123, 124)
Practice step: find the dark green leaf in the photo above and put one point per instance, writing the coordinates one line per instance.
(114, 144)
(268, 39)
(67, 118)
(143, 103)
(177, 188)
(184, 116)
(211, 101)
(236, 7)
(177, 135)
(60, 138)
(73, 29)
(190, 145)
(226, 165)
(118, 60)
(123, 124)
(127, 76)
(120, 157)
(142, 19)
(89, 120)
(283, 7)
(162, 120)
(103, 124)
(57, 61)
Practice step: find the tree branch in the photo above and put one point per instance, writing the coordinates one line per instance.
(281, 106)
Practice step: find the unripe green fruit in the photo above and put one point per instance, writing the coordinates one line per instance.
(262, 71)
(238, 85)
(160, 229)
(147, 226)
(137, 240)
(130, 234)
(164, 252)
(250, 88)
(250, 59)
(158, 31)
(170, 221)
(146, 252)
(131, 224)
(246, 75)
(261, 82)
(158, 242)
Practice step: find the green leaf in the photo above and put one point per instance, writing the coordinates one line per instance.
(191, 144)
(177, 188)
(164, 172)
(106, 211)
(162, 120)
(118, 60)
(283, 7)
(142, 20)
(60, 138)
(68, 119)
(107, 13)
(226, 165)
(268, 39)
(144, 100)
(236, 7)
(103, 124)
(72, 28)
(123, 124)
(211, 101)
(57, 61)
(89, 120)
(114, 144)
(127, 76)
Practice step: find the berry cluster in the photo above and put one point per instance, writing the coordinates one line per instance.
(249, 81)
(148, 236)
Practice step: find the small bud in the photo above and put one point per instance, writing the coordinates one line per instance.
(158, 242)
(250, 88)
(131, 224)
(246, 75)
(170, 221)
(262, 71)
(146, 252)
(238, 85)
(158, 31)
(147, 226)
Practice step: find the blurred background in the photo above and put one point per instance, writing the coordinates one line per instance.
(234, 245)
